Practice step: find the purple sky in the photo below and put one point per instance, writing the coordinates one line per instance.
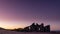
(21, 13)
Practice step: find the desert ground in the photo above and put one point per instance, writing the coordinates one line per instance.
(14, 32)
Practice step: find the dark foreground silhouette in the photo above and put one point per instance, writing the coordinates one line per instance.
(34, 28)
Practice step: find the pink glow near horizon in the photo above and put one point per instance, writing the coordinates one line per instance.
(15, 14)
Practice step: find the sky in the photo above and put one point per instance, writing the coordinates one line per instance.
(22, 13)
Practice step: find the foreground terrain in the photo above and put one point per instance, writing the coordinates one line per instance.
(13, 32)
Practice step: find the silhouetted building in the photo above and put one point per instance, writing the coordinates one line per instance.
(32, 27)
(26, 29)
(35, 28)
(47, 28)
(42, 27)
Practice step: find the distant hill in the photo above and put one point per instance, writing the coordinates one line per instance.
(2, 28)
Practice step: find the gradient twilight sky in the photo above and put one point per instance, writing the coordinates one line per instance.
(21, 13)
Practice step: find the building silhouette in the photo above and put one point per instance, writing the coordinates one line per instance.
(37, 28)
